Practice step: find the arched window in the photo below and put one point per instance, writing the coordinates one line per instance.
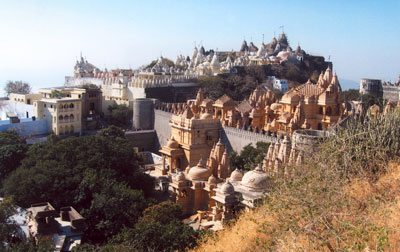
(61, 130)
(321, 111)
(319, 126)
(71, 117)
(66, 131)
(71, 105)
(66, 117)
(329, 111)
(72, 129)
(60, 117)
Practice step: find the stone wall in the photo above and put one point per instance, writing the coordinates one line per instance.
(162, 128)
(391, 93)
(144, 140)
(235, 139)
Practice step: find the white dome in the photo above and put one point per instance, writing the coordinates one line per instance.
(236, 175)
(255, 180)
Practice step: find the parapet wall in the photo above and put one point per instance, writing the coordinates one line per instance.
(162, 128)
(236, 139)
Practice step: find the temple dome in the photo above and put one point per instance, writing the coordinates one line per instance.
(172, 143)
(212, 180)
(199, 172)
(236, 176)
(227, 188)
(180, 177)
(255, 180)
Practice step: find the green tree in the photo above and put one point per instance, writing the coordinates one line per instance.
(8, 227)
(119, 115)
(57, 94)
(111, 131)
(114, 207)
(12, 150)
(97, 175)
(160, 229)
(351, 95)
(17, 87)
(249, 157)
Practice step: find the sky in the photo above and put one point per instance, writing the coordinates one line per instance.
(41, 40)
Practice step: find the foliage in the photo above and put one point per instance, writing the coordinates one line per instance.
(17, 87)
(343, 198)
(113, 207)
(351, 95)
(97, 175)
(111, 131)
(369, 100)
(249, 157)
(160, 229)
(8, 227)
(88, 86)
(43, 245)
(119, 115)
(12, 150)
(57, 94)
(366, 146)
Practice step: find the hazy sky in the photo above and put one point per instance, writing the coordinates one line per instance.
(40, 40)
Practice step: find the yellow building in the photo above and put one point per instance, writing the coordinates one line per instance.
(191, 139)
(25, 98)
(63, 115)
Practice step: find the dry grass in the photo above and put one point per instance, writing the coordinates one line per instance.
(345, 198)
(369, 221)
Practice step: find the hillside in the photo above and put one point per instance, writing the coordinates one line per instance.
(346, 197)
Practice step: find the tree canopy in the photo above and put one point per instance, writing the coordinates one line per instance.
(12, 150)
(98, 175)
(249, 157)
(17, 87)
(120, 115)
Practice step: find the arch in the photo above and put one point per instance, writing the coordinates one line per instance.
(60, 118)
(319, 126)
(71, 105)
(320, 111)
(71, 117)
(329, 111)
(66, 117)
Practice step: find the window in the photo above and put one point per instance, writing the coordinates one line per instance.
(44, 105)
(71, 117)
(51, 106)
(320, 111)
(79, 96)
(329, 111)
(71, 105)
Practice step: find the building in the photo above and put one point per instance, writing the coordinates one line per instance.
(281, 85)
(63, 115)
(371, 87)
(191, 140)
(91, 103)
(64, 228)
(25, 98)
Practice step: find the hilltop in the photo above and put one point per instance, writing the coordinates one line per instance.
(344, 198)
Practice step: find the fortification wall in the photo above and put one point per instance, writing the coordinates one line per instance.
(162, 128)
(144, 140)
(236, 139)
(391, 93)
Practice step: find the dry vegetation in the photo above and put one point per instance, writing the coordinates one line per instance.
(346, 197)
